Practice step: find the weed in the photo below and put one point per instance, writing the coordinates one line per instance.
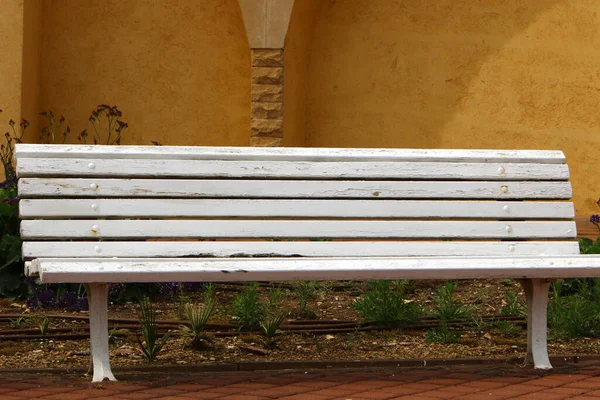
(386, 304)
(248, 308)
(151, 345)
(513, 305)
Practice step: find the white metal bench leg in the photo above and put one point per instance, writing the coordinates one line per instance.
(536, 292)
(98, 303)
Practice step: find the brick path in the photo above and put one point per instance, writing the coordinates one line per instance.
(473, 382)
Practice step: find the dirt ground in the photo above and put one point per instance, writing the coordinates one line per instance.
(480, 337)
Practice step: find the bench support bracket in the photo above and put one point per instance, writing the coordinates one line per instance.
(98, 303)
(536, 292)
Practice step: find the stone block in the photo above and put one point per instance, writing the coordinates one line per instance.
(267, 93)
(266, 142)
(267, 57)
(267, 75)
(267, 111)
(266, 128)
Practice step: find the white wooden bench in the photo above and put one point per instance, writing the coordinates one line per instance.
(102, 214)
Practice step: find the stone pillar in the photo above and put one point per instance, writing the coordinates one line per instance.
(266, 118)
(266, 23)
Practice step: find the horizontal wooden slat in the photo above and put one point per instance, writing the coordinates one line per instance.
(72, 187)
(305, 249)
(286, 154)
(66, 208)
(53, 229)
(284, 269)
(76, 167)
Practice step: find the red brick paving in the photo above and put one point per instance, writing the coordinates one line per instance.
(456, 382)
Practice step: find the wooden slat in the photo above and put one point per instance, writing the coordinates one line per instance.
(139, 168)
(287, 154)
(284, 269)
(53, 229)
(72, 187)
(67, 208)
(305, 249)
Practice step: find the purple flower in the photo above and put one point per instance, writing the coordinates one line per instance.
(12, 202)
(595, 219)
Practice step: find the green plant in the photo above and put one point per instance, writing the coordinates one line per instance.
(305, 291)
(446, 307)
(248, 308)
(573, 315)
(442, 334)
(270, 325)
(386, 304)
(513, 305)
(198, 316)
(16, 323)
(509, 329)
(42, 322)
(274, 296)
(151, 345)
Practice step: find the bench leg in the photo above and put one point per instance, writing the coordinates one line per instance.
(98, 303)
(536, 292)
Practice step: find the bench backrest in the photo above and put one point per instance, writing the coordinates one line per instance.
(142, 201)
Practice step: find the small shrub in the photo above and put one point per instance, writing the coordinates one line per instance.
(274, 296)
(248, 308)
(270, 325)
(446, 308)
(55, 296)
(573, 316)
(151, 345)
(305, 291)
(198, 316)
(513, 305)
(386, 304)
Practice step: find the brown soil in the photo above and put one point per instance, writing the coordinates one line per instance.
(480, 339)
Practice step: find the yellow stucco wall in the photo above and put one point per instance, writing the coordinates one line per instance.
(11, 47)
(460, 74)
(297, 55)
(31, 71)
(179, 70)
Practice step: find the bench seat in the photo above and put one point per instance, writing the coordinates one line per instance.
(102, 214)
(100, 270)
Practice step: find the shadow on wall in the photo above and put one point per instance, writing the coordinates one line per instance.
(448, 73)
